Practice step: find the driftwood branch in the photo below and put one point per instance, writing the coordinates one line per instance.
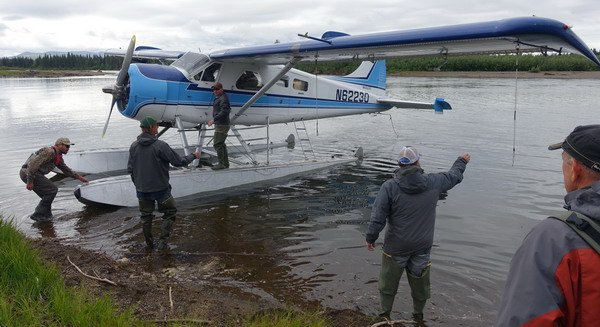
(171, 298)
(393, 322)
(104, 280)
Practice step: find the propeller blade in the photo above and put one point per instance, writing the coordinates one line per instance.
(117, 89)
(126, 62)
(114, 100)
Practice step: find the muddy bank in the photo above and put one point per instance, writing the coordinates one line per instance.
(181, 293)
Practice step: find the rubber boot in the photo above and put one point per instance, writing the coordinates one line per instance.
(165, 232)
(220, 147)
(147, 230)
(146, 209)
(169, 211)
(420, 290)
(389, 278)
(43, 211)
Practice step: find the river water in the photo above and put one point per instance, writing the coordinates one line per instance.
(306, 235)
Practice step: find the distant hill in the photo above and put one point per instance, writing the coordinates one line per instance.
(34, 55)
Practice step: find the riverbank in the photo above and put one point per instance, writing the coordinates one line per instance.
(21, 73)
(182, 294)
(488, 74)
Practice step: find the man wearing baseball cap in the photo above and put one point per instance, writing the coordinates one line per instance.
(554, 277)
(41, 163)
(407, 204)
(221, 111)
(148, 165)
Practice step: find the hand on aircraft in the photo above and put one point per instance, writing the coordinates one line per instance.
(29, 186)
(211, 122)
(466, 157)
(197, 154)
(370, 246)
(83, 179)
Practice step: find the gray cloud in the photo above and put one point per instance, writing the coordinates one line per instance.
(191, 24)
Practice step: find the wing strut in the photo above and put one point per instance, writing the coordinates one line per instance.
(265, 88)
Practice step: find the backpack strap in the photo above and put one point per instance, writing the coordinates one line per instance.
(583, 225)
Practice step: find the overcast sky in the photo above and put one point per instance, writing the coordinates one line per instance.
(59, 25)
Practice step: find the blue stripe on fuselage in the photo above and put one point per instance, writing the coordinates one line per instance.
(164, 85)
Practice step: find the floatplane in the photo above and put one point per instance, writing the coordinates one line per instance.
(264, 88)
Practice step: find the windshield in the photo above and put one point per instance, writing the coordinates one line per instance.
(191, 61)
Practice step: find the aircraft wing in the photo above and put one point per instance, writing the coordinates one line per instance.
(145, 52)
(528, 34)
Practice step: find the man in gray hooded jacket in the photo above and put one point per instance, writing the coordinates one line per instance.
(407, 203)
(148, 165)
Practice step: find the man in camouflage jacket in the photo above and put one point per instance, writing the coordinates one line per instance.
(41, 163)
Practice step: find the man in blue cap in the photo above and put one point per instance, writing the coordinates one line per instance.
(554, 277)
(148, 165)
(407, 204)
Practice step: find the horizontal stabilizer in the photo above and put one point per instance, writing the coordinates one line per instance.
(439, 105)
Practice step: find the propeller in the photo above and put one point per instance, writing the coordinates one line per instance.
(117, 90)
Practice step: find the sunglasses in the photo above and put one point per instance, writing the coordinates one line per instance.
(67, 145)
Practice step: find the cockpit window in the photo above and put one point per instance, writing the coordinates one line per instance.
(191, 61)
(211, 73)
(249, 80)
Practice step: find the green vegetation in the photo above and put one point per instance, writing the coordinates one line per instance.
(68, 61)
(43, 66)
(286, 319)
(33, 293)
(526, 62)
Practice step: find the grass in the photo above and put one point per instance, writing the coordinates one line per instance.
(286, 318)
(33, 293)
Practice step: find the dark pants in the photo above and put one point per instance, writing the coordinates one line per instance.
(46, 190)
(166, 206)
(219, 144)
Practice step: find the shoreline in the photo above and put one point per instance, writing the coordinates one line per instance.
(501, 74)
(32, 73)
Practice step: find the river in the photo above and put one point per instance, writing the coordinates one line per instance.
(307, 235)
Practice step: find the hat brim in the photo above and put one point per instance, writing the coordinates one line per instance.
(555, 146)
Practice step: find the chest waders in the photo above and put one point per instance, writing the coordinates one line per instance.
(584, 226)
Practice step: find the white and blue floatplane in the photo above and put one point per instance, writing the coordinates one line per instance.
(264, 88)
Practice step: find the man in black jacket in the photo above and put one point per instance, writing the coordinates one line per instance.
(407, 204)
(221, 111)
(148, 165)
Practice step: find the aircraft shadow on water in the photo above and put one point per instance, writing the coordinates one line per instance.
(264, 88)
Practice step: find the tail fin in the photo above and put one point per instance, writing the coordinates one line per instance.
(369, 73)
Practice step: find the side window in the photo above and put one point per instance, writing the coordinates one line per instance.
(249, 80)
(283, 82)
(300, 85)
(211, 73)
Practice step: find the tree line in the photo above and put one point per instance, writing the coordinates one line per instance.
(507, 62)
(67, 61)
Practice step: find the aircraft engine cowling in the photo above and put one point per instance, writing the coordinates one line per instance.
(151, 89)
